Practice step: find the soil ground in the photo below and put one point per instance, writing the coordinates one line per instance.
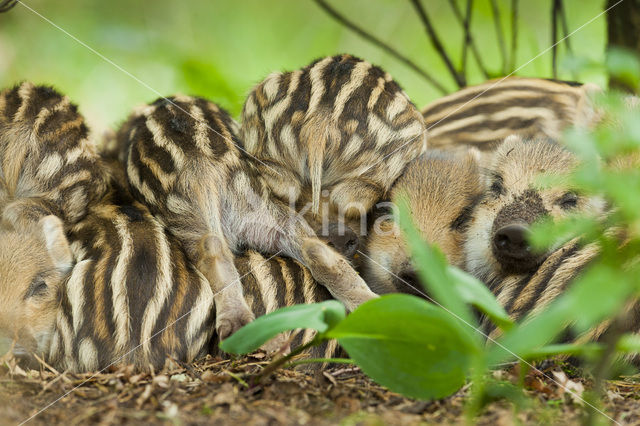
(214, 391)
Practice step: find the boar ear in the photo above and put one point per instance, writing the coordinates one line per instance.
(506, 146)
(475, 158)
(56, 242)
(473, 155)
(512, 139)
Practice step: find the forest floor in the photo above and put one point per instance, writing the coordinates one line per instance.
(214, 391)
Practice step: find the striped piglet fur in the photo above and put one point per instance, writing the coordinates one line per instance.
(47, 164)
(131, 296)
(110, 286)
(484, 115)
(332, 137)
(182, 160)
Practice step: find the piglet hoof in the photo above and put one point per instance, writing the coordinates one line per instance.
(357, 299)
(316, 252)
(227, 324)
(335, 273)
(280, 344)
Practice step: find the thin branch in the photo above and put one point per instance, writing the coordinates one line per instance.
(554, 37)
(565, 26)
(499, 35)
(565, 35)
(437, 44)
(514, 35)
(603, 366)
(279, 362)
(321, 360)
(7, 5)
(390, 50)
(467, 37)
(472, 43)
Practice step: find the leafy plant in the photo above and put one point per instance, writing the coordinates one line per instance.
(414, 347)
(401, 341)
(430, 348)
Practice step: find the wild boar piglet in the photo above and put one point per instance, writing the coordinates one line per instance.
(515, 198)
(441, 189)
(183, 159)
(330, 139)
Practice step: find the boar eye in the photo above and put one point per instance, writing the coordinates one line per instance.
(37, 288)
(497, 187)
(568, 201)
(461, 223)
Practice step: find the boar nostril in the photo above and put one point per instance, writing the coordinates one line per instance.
(511, 241)
(502, 241)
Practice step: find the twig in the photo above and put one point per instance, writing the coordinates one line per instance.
(390, 50)
(45, 365)
(499, 35)
(472, 42)
(7, 5)
(238, 378)
(602, 367)
(321, 360)
(50, 383)
(565, 34)
(274, 365)
(437, 44)
(565, 26)
(466, 24)
(514, 35)
(554, 37)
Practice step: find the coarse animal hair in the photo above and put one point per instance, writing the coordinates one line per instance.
(182, 159)
(332, 137)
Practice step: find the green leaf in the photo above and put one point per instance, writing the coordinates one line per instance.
(499, 390)
(548, 233)
(408, 345)
(629, 343)
(432, 268)
(531, 334)
(597, 294)
(475, 292)
(564, 349)
(449, 285)
(624, 65)
(317, 316)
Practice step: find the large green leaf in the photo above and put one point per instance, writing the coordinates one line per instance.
(475, 292)
(582, 349)
(317, 316)
(624, 65)
(408, 345)
(599, 293)
(432, 267)
(450, 286)
(629, 343)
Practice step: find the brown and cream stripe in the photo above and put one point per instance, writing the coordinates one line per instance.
(47, 163)
(339, 125)
(133, 298)
(182, 160)
(484, 115)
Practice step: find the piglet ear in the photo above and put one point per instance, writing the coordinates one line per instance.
(56, 242)
(512, 139)
(474, 158)
(473, 155)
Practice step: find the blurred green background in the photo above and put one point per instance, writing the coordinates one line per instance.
(221, 48)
